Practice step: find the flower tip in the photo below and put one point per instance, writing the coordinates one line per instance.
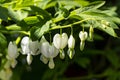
(29, 59)
(51, 64)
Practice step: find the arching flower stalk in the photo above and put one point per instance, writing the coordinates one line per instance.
(29, 48)
(60, 42)
(12, 54)
(48, 53)
(83, 36)
(71, 45)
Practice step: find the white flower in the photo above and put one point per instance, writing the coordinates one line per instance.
(29, 48)
(83, 36)
(60, 41)
(48, 53)
(12, 54)
(71, 45)
(71, 42)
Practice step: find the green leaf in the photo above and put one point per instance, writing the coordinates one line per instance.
(13, 27)
(17, 15)
(42, 12)
(108, 30)
(89, 7)
(3, 13)
(3, 41)
(40, 31)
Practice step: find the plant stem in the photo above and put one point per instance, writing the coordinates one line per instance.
(69, 25)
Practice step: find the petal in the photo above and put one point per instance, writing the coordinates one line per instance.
(64, 41)
(25, 45)
(12, 51)
(44, 59)
(34, 47)
(13, 63)
(57, 41)
(51, 64)
(82, 44)
(62, 54)
(71, 42)
(83, 35)
(29, 59)
(71, 53)
(53, 51)
(45, 49)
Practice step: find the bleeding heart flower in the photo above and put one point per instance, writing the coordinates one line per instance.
(48, 52)
(83, 36)
(71, 45)
(60, 41)
(30, 48)
(12, 54)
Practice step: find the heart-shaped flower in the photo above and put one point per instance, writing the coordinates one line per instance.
(29, 48)
(83, 36)
(60, 41)
(71, 45)
(48, 53)
(12, 54)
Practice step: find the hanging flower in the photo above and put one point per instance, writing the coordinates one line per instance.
(60, 42)
(91, 31)
(71, 45)
(29, 48)
(83, 36)
(12, 54)
(48, 53)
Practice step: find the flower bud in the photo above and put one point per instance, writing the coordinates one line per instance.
(62, 54)
(82, 44)
(91, 31)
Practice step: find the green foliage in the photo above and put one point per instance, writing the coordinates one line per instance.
(37, 18)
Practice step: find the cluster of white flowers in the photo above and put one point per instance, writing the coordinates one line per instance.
(48, 50)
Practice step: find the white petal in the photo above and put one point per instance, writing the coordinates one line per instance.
(25, 45)
(29, 59)
(64, 40)
(71, 42)
(83, 35)
(82, 44)
(51, 64)
(71, 53)
(45, 49)
(34, 47)
(53, 51)
(57, 41)
(12, 51)
(62, 54)
(44, 59)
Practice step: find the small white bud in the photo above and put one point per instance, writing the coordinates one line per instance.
(83, 35)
